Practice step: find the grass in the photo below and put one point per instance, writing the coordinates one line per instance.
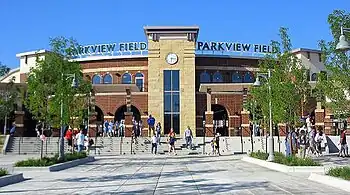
(3, 172)
(48, 161)
(341, 172)
(280, 158)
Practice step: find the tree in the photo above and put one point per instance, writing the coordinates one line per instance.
(49, 85)
(8, 96)
(333, 88)
(288, 81)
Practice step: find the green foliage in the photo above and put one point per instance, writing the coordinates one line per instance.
(288, 81)
(337, 82)
(280, 158)
(8, 97)
(4, 70)
(341, 172)
(49, 84)
(3, 172)
(48, 161)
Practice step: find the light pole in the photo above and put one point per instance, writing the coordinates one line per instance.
(257, 83)
(61, 144)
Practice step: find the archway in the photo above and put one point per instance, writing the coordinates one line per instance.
(119, 113)
(220, 119)
(99, 116)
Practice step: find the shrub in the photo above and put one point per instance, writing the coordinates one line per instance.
(341, 172)
(280, 158)
(3, 172)
(48, 161)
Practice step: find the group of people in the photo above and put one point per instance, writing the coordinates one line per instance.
(307, 141)
(78, 140)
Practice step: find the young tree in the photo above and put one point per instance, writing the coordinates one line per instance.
(288, 83)
(334, 88)
(49, 85)
(8, 96)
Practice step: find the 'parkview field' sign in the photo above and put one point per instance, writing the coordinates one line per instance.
(132, 47)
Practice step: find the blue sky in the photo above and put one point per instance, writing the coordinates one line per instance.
(27, 25)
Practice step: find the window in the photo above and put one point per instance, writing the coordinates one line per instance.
(126, 78)
(217, 77)
(139, 81)
(308, 55)
(204, 77)
(96, 79)
(171, 100)
(314, 77)
(248, 78)
(236, 77)
(107, 79)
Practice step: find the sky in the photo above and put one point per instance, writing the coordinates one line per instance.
(28, 25)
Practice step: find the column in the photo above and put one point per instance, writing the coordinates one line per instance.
(209, 126)
(93, 125)
(128, 124)
(144, 132)
(128, 115)
(245, 123)
(19, 122)
(282, 129)
(319, 116)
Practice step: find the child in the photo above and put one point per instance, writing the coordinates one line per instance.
(154, 143)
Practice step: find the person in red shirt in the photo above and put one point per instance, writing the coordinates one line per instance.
(69, 138)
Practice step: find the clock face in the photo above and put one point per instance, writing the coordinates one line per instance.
(171, 58)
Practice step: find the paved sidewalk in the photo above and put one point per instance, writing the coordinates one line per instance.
(333, 160)
(167, 175)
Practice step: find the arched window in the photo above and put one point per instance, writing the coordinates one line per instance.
(107, 79)
(314, 77)
(139, 80)
(248, 78)
(204, 77)
(236, 77)
(126, 78)
(96, 79)
(217, 77)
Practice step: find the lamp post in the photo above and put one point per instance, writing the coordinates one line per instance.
(257, 83)
(61, 143)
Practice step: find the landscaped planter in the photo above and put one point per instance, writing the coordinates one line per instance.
(11, 179)
(331, 181)
(284, 168)
(57, 167)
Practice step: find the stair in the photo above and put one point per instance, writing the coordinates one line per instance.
(32, 145)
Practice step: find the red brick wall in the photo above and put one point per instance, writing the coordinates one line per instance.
(129, 62)
(112, 102)
(232, 102)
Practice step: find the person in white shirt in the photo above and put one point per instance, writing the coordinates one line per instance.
(80, 140)
(188, 137)
(319, 138)
(154, 143)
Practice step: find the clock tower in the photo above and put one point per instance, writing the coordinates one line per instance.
(171, 76)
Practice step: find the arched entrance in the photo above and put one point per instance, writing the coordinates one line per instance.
(220, 119)
(119, 113)
(99, 116)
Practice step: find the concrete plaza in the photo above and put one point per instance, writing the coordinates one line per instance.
(167, 175)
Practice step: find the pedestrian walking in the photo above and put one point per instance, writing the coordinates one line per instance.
(151, 121)
(343, 144)
(217, 143)
(171, 141)
(302, 143)
(154, 143)
(158, 132)
(319, 137)
(80, 140)
(188, 137)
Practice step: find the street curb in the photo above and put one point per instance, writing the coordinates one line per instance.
(11, 179)
(330, 181)
(284, 168)
(57, 167)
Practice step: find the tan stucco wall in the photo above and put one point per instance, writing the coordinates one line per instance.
(157, 52)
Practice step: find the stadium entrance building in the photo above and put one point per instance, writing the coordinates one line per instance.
(176, 78)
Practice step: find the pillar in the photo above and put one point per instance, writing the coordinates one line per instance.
(128, 124)
(245, 123)
(144, 132)
(319, 116)
(93, 130)
(328, 125)
(282, 129)
(19, 122)
(209, 126)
